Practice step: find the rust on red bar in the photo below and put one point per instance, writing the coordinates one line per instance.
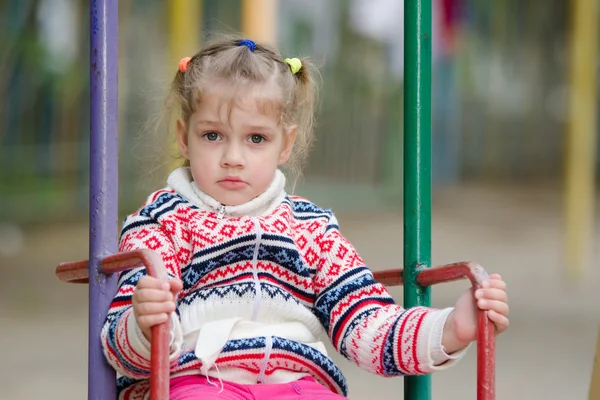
(431, 276)
(159, 356)
(486, 335)
(486, 357)
(453, 272)
(77, 272)
(73, 272)
(390, 277)
(121, 262)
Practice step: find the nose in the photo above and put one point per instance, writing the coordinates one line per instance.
(233, 156)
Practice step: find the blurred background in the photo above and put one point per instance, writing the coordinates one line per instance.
(514, 164)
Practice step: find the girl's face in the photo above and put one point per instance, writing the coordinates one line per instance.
(234, 148)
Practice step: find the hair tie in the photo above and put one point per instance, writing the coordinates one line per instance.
(294, 63)
(248, 43)
(183, 63)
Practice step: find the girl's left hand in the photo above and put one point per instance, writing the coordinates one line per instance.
(461, 325)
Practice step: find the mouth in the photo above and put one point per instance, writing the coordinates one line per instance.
(232, 179)
(232, 183)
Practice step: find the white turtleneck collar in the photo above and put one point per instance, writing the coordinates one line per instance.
(182, 182)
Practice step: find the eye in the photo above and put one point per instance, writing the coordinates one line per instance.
(256, 139)
(212, 136)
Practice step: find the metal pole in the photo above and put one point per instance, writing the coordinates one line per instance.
(581, 139)
(103, 185)
(417, 166)
(594, 392)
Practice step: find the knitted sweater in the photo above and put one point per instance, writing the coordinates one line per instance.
(263, 283)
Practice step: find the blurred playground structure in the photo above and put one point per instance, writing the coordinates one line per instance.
(500, 102)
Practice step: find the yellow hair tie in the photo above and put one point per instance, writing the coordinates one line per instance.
(294, 63)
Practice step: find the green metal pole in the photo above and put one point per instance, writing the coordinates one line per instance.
(417, 166)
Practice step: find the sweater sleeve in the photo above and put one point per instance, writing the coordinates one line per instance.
(125, 347)
(362, 320)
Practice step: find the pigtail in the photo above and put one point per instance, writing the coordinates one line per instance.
(177, 86)
(179, 100)
(304, 102)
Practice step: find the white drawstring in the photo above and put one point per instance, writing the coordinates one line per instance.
(218, 377)
(265, 361)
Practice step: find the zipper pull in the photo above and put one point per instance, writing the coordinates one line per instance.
(221, 213)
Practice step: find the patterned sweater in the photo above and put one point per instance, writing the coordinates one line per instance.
(263, 282)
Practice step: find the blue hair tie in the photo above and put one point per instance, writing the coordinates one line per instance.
(248, 43)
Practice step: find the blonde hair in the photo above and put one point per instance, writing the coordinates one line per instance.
(226, 60)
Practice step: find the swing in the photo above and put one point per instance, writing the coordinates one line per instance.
(104, 262)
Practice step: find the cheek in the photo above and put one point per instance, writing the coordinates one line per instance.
(199, 148)
(201, 156)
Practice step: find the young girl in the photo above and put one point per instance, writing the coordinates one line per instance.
(258, 275)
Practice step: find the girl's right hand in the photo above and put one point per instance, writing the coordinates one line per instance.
(153, 302)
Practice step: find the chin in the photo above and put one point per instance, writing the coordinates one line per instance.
(234, 200)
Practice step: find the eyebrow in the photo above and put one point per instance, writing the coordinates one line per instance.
(259, 128)
(249, 127)
(206, 122)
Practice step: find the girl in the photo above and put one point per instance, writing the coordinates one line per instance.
(258, 275)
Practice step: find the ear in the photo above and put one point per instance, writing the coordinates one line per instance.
(182, 138)
(288, 144)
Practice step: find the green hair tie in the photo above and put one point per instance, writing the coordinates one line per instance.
(294, 63)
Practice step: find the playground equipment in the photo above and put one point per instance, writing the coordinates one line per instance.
(581, 140)
(99, 271)
(595, 382)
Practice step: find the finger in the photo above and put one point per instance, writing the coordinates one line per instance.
(152, 283)
(495, 277)
(148, 321)
(500, 321)
(149, 308)
(176, 285)
(495, 305)
(497, 284)
(494, 283)
(152, 295)
(491, 294)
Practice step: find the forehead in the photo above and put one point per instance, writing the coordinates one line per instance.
(225, 103)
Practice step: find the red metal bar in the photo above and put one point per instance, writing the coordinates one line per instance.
(73, 272)
(76, 272)
(486, 335)
(454, 272)
(390, 277)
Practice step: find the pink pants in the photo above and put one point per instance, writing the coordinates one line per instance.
(197, 388)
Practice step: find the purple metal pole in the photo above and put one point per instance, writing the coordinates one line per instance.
(103, 185)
